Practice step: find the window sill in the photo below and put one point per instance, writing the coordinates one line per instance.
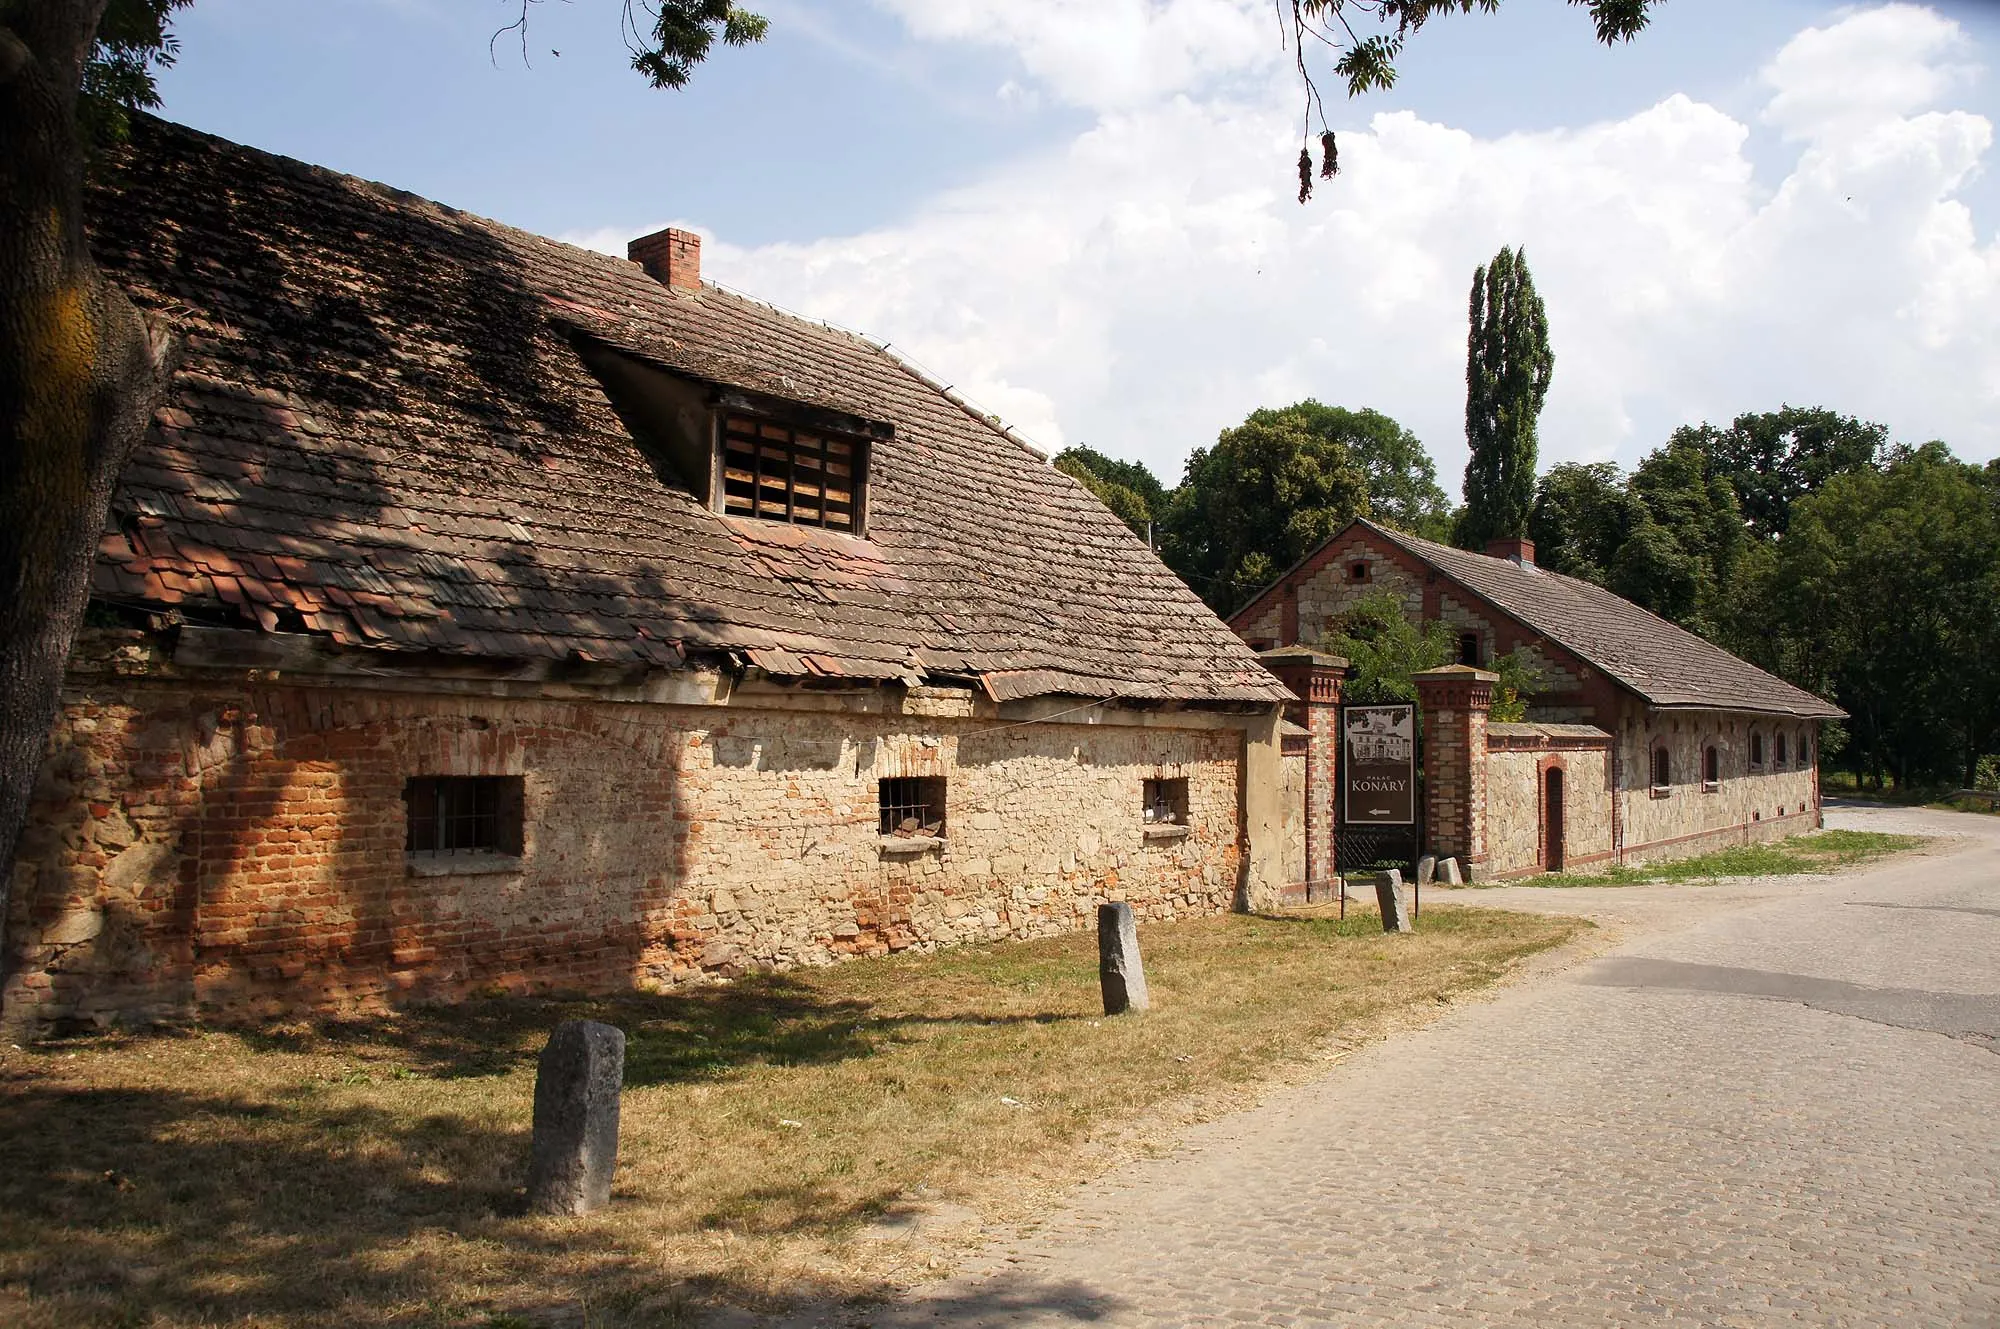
(478, 864)
(1711, 786)
(1661, 791)
(910, 844)
(1159, 833)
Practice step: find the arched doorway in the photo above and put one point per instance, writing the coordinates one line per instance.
(1552, 819)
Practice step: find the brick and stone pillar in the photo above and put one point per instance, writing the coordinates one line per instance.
(1315, 679)
(1455, 701)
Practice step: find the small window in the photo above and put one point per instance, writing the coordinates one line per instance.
(1166, 802)
(463, 814)
(1663, 769)
(1711, 769)
(1756, 751)
(1781, 762)
(912, 805)
(805, 477)
(1468, 649)
(1357, 571)
(1805, 750)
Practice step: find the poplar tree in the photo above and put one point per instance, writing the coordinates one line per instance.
(1507, 369)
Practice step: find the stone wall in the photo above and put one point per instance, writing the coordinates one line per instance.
(239, 849)
(1516, 802)
(1292, 799)
(1748, 802)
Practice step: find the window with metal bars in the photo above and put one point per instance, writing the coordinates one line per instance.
(912, 805)
(463, 814)
(808, 477)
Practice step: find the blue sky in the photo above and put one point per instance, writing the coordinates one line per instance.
(1078, 210)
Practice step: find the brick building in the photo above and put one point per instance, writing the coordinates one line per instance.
(1641, 740)
(485, 614)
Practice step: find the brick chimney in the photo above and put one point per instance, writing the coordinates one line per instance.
(671, 257)
(1517, 549)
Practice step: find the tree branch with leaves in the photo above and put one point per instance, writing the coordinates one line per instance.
(1366, 60)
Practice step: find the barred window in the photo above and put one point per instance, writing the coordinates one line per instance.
(1663, 769)
(1782, 755)
(1756, 751)
(463, 814)
(912, 805)
(777, 472)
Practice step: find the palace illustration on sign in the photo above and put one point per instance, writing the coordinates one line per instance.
(1380, 734)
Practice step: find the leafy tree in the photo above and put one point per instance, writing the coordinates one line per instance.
(81, 369)
(1387, 651)
(1268, 493)
(1132, 475)
(1886, 582)
(1403, 490)
(1126, 504)
(1696, 508)
(1775, 458)
(1507, 368)
(1581, 517)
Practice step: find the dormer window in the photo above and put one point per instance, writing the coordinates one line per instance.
(772, 470)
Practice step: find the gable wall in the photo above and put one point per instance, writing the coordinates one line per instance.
(1310, 602)
(238, 849)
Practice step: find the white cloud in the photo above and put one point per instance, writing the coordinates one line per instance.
(1108, 53)
(1154, 281)
(1879, 65)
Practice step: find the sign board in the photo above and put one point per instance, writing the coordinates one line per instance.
(1378, 765)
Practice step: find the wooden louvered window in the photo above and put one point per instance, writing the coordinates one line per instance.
(808, 477)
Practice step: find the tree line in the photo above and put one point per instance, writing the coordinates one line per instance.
(1801, 539)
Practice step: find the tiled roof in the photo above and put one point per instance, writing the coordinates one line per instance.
(384, 434)
(1665, 664)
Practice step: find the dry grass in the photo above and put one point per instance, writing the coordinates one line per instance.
(368, 1172)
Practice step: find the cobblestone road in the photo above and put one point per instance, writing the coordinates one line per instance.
(1771, 1103)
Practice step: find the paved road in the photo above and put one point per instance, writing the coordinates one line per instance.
(1774, 1102)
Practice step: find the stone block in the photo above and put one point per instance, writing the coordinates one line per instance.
(575, 1149)
(1119, 971)
(1426, 870)
(1394, 900)
(1448, 872)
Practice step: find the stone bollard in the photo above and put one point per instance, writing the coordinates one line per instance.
(1394, 900)
(1448, 872)
(1119, 972)
(575, 1150)
(1426, 870)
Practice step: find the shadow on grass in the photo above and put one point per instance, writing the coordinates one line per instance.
(693, 1034)
(141, 1206)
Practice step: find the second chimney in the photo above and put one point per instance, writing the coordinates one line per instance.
(1517, 549)
(671, 257)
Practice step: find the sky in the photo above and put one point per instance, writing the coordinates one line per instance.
(1082, 213)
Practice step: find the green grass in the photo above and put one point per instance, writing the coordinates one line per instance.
(1822, 851)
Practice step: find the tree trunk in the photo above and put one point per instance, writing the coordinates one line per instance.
(80, 373)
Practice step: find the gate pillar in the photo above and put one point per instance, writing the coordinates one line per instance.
(1455, 701)
(1315, 679)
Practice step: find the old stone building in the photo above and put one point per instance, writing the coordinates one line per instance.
(1641, 739)
(485, 614)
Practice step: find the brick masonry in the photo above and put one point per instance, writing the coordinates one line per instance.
(234, 849)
